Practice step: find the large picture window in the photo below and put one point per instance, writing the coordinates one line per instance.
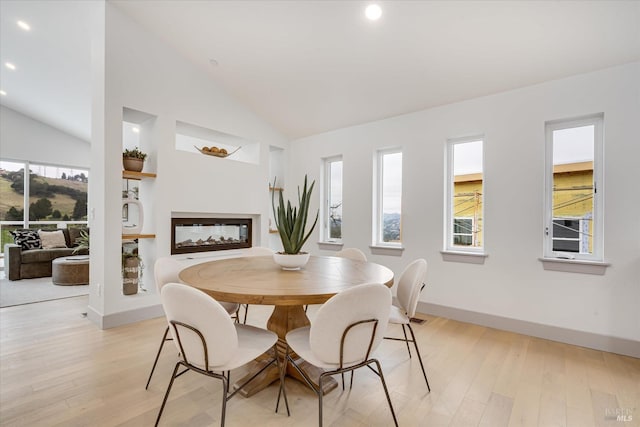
(465, 195)
(573, 196)
(332, 208)
(388, 198)
(41, 196)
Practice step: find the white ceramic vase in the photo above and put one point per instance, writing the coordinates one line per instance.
(133, 225)
(291, 261)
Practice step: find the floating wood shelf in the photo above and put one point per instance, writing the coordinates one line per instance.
(137, 175)
(138, 236)
(272, 231)
(275, 188)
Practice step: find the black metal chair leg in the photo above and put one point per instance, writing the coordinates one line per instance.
(155, 362)
(386, 391)
(320, 393)
(246, 311)
(406, 340)
(282, 390)
(225, 387)
(306, 379)
(166, 395)
(415, 344)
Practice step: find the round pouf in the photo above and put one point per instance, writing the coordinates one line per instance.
(73, 270)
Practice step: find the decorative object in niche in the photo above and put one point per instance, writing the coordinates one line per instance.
(131, 224)
(132, 268)
(215, 151)
(133, 160)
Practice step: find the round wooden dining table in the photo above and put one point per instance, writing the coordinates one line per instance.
(259, 280)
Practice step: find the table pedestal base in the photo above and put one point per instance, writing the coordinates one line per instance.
(271, 375)
(282, 320)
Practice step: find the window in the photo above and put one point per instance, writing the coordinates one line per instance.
(463, 231)
(388, 199)
(332, 209)
(570, 235)
(55, 196)
(573, 207)
(465, 195)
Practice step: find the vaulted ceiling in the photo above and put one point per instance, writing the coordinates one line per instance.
(312, 66)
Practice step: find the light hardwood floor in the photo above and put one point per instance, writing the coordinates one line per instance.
(58, 369)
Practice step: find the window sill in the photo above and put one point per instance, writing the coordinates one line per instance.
(465, 257)
(332, 246)
(574, 266)
(386, 250)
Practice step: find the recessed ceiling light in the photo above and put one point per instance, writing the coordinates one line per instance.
(213, 62)
(9, 65)
(373, 12)
(3, 93)
(135, 130)
(24, 25)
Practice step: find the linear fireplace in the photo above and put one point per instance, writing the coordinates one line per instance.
(189, 235)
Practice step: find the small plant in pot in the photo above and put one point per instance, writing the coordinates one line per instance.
(133, 160)
(82, 242)
(291, 223)
(132, 268)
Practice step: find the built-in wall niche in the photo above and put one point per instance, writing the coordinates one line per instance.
(137, 130)
(193, 138)
(138, 195)
(276, 166)
(276, 173)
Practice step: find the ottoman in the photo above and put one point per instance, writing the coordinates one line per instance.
(71, 270)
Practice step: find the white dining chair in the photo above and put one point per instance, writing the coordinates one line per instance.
(165, 270)
(344, 335)
(352, 253)
(255, 251)
(211, 344)
(410, 284)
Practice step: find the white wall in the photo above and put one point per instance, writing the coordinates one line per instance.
(146, 75)
(512, 282)
(23, 138)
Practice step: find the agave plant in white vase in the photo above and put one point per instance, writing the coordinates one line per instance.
(291, 223)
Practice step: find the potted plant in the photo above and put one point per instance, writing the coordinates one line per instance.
(291, 223)
(82, 242)
(132, 268)
(133, 160)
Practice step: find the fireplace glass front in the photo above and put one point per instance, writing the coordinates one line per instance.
(189, 235)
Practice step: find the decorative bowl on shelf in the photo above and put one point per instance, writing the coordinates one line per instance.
(215, 151)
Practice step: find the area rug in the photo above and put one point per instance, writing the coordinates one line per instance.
(28, 291)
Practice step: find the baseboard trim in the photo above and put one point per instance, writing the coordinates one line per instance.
(583, 339)
(124, 317)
